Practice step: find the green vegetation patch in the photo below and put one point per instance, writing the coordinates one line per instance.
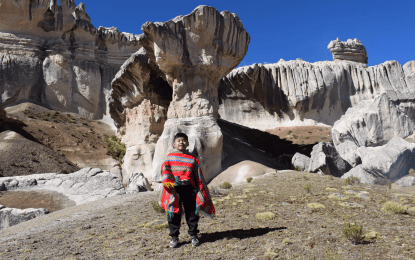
(115, 148)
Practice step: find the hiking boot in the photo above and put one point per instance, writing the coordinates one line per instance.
(195, 241)
(174, 242)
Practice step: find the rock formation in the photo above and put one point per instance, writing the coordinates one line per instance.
(326, 160)
(82, 186)
(300, 161)
(370, 123)
(137, 183)
(193, 53)
(302, 93)
(351, 50)
(139, 103)
(52, 54)
(10, 217)
(391, 161)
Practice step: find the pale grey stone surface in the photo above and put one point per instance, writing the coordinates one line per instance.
(361, 173)
(137, 183)
(325, 159)
(390, 161)
(53, 55)
(303, 93)
(301, 161)
(370, 123)
(406, 181)
(10, 217)
(83, 186)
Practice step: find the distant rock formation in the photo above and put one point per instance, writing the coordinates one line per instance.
(52, 54)
(351, 50)
(302, 93)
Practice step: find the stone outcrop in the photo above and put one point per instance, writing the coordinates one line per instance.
(391, 161)
(370, 123)
(137, 183)
(82, 186)
(302, 93)
(10, 216)
(407, 181)
(52, 54)
(139, 103)
(326, 160)
(300, 161)
(193, 53)
(351, 50)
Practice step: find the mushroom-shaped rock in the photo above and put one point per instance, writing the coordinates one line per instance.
(351, 50)
(194, 52)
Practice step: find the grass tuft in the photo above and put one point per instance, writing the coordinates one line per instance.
(394, 207)
(156, 206)
(116, 148)
(249, 179)
(265, 215)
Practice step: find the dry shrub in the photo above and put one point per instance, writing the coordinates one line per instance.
(156, 206)
(225, 185)
(394, 207)
(353, 232)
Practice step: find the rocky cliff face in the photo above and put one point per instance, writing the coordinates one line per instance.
(53, 55)
(302, 93)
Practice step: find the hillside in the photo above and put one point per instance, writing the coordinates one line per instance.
(125, 228)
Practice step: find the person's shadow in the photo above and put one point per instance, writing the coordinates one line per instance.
(236, 233)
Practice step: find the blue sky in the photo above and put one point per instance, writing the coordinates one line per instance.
(287, 29)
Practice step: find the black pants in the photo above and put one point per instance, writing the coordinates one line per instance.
(187, 196)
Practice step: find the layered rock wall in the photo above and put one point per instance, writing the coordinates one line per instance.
(302, 93)
(52, 54)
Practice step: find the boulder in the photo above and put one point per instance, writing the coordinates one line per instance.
(138, 158)
(351, 50)
(370, 123)
(301, 161)
(406, 181)
(362, 174)
(391, 161)
(10, 217)
(193, 53)
(137, 183)
(238, 173)
(325, 160)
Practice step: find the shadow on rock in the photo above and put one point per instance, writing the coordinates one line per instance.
(241, 143)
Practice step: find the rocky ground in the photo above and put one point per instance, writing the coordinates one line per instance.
(127, 227)
(64, 139)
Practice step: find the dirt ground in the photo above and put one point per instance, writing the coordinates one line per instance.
(79, 140)
(130, 229)
(303, 134)
(49, 200)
